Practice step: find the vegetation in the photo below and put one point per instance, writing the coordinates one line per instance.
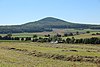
(32, 54)
(46, 24)
(59, 48)
(56, 38)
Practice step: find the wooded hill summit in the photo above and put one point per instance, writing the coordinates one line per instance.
(45, 24)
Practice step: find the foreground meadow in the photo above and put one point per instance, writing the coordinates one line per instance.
(32, 54)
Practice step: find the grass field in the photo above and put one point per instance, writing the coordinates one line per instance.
(60, 31)
(83, 36)
(55, 31)
(15, 53)
(32, 54)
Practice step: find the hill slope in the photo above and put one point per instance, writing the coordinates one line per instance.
(51, 22)
(46, 24)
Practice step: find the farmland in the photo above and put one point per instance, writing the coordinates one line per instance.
(33, 54)
(16, 53)
(50, 33)
(59, 31)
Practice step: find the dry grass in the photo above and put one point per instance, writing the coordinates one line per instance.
(21, 54)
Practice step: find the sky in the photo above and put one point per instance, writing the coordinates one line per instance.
(13, 12)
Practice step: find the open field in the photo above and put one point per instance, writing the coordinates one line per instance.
(60, 31)
(17, 53)
(33, 54)
(83, 36)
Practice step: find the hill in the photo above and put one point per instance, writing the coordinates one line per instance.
(46, 24)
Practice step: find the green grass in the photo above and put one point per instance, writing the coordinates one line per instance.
(12, 58)
(82, 36)
(55, 31)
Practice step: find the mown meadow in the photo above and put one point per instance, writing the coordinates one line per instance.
(33, 54)
(15, 53)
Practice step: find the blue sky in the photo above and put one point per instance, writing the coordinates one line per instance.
(23, 11)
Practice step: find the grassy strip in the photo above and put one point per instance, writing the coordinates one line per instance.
(73, 58)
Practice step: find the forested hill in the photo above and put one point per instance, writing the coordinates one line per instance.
(46, 24)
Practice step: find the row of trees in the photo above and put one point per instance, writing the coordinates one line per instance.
(9, 36)
(56, 38)
(96, 34)
(6, 37)
(93, 40)
(68, 34)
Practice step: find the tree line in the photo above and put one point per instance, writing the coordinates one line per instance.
(56, 38)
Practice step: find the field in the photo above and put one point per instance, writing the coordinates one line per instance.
(59, 31)
(32, 54)
(15, 53)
